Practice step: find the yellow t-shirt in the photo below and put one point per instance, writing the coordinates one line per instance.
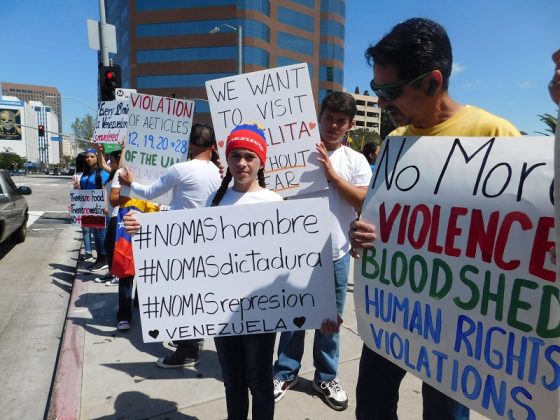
(470, 121)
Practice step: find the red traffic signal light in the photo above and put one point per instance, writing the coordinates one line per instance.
(109, 80)
(41, 130)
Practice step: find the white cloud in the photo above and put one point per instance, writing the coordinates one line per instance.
(457, 68)
(471, 85)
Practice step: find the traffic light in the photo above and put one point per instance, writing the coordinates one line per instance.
(41, 130)
(109, 80)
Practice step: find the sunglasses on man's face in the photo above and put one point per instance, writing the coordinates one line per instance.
(393, 91)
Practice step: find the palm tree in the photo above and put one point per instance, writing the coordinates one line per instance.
(550, 121)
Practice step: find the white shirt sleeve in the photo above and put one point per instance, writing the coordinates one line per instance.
(362, 171)
(167, 181)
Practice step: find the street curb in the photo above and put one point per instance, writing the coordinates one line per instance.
(66, 396)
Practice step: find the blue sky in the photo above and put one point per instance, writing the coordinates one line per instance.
(502, 50)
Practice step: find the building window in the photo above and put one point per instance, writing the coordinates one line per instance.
(332, 28)
(296, 19)
(295, 43)
(332, 52)
(262, 6)
(251, 28)
(331, 74)
(286, 61)
(178, 80)
(306, 3)
(333, 6)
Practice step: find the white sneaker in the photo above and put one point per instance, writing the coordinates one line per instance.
(280, 387)
(123, 325)
(113, 282)
(333, 393)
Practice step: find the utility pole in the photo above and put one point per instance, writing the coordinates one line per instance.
(104, 48)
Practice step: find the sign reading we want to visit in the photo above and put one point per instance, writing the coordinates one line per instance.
(460, 289)
(281, 101)
(222, 271)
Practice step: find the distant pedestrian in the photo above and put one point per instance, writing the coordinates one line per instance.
(370, 151)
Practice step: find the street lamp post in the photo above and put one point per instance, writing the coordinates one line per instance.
(239, 30)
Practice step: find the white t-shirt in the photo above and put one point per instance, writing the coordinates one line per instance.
(233, 197)
(111, 211)
(192, 182)
(125, 190)
(354, 168)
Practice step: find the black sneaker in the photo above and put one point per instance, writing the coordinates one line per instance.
(103, 279)
(85, 257)
(333, 393)
(98, 265)
(174, 362)
(280, 387)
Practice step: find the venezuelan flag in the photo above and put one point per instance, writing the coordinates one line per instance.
(123, 259)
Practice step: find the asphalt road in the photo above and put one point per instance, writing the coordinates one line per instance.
(36, 281)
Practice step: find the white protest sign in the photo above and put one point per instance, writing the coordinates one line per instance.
(459, 289)
(112, 119)
(223, 271)
(86, 208)
(281, 101)
(158, 136)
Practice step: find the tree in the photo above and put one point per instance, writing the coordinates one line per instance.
(362, 136)
(550, 121)
(386, 124)
(357, 90)
(83, 130)
(11, 160)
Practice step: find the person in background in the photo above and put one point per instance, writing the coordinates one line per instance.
(411, 69)
(192, 182)
(370, 151)
(112, 212)
(93, 177)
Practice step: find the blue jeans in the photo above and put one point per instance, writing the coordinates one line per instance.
(377, 392)
(87, 239)
(326, 347)
(246, 362)
(99, 237)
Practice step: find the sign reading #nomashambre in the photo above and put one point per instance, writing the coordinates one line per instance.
(158, 136)
(460, 289)
(281, 101)
(223, 271)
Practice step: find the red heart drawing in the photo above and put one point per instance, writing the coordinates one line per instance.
(312, 125)
(221, 143)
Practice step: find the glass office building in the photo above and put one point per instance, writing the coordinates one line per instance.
(165, 48)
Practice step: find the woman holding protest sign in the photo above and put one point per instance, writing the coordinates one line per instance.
(246, 360)
(93, 177)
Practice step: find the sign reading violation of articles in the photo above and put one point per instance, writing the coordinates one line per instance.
(86, 208)
(158, 136)
(459, 289)
(219, 271)
(281, 101)
(112, 120)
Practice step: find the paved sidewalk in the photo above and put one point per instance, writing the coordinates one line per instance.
(105, 374)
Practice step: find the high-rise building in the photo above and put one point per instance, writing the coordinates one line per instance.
(368, 116)
(47, 95)
(165, 47)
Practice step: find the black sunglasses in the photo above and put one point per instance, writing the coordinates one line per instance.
(393, 91)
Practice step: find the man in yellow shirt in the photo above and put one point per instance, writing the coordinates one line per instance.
(411, 68)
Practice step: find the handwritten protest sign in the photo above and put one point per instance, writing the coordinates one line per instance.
(86, 208)
(459, 289)
(112, 120)
(281, 101)
(217, 271)
(158, 136)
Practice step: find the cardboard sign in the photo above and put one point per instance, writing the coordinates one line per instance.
(459, 289)
(112, 120)
(158, 136)
(86, 208)
(234, 270)
(281, 101)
